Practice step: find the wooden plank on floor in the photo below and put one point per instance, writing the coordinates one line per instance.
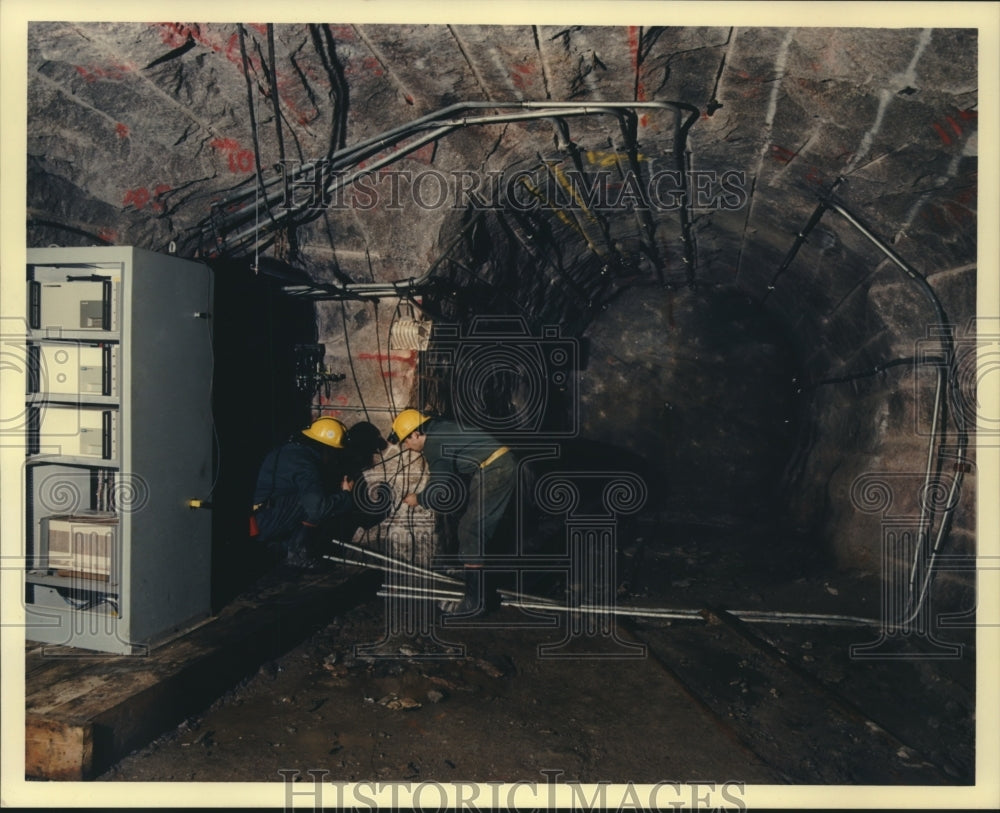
(85, 713)
(57, 749)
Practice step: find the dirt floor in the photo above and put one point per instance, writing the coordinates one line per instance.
(389, 691)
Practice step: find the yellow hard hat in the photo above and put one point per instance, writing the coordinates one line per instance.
(406, 421)
(328, 431)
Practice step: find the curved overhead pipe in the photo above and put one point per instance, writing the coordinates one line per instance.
(946, 383)
(428, 129)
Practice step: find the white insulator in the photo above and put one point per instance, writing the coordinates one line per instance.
(409, 334)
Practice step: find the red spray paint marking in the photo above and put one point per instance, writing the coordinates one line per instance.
(425, 155)
(640, 88)
(368, 65)
(136, 197)
(113, 71)
(409, 359)
(324, 404)
(122, 130)
(753, 91)
(958, 209)
(521, 76)
(814, 176)
(782, 155)
(965, 115)
(342, 32)
(140, 196)
(177, 34)
(945, 138)
(239, 159)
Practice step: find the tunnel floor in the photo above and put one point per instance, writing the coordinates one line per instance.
(643, 700)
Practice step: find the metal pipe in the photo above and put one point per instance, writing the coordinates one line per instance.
(400, 562)
(750, 616)
(590, 610)
(516, 594)
(418, 597)
(827, 201)
(387, 138)
(757, 616)
(923, 531)
(442, 129)
(374, 566)
(948, 347)
(840, 209)
(393, 289)
(355, 562)
(430, 590)
(512, 598)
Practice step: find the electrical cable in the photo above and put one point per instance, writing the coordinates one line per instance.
(439, 125)
(273, 76)
(350, 358)
(256, 143)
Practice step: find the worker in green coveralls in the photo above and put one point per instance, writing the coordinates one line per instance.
(450, 450)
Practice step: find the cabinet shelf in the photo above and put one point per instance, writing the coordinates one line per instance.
(83, 399)
(73, 460)
(116, 353)
(53, 334)
(46, 577)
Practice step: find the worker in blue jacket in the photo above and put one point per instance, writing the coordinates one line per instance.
(292, 505)
(451, 450)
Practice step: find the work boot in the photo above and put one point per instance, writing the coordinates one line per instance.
(472, 603)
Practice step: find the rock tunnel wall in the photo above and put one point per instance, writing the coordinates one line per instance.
(744, 389)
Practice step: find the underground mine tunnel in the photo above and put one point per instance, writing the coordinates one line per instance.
(714, 287)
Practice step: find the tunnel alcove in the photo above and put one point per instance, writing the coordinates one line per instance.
(698, 383)
(256, 400)
(621, 246)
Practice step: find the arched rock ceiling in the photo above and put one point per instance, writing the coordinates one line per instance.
(138, 131)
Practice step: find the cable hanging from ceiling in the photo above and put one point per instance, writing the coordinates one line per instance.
(235, 228)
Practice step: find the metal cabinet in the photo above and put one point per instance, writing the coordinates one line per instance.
(119, 443)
